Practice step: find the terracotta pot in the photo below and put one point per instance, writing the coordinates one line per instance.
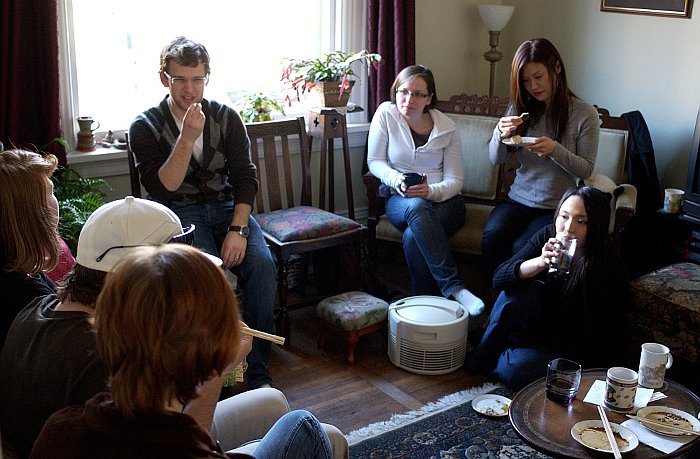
(327, 94)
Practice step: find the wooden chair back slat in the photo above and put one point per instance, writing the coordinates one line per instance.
(277, 185)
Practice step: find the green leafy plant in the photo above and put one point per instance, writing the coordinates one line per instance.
(257, 107)
(302, 74)
(78, 197)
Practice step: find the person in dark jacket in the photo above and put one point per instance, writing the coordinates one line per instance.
(539, 317)
(167, 328)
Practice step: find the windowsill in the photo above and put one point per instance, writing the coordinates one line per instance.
(108, 162)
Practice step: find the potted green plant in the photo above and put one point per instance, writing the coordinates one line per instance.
(326, 76)
(257, 107)
(78, 197)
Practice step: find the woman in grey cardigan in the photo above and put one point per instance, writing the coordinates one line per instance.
(564, 147)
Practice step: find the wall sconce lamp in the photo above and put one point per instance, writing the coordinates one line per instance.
(495, 17)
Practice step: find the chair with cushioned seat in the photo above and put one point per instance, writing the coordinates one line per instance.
(290, 223)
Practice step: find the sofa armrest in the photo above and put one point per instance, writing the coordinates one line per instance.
(625, 207)
(627, 199)
(375, 203)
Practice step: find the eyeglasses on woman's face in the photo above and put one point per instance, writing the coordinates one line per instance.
(405, 93)
(179, 82)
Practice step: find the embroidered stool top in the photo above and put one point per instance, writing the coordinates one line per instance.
(352, 310)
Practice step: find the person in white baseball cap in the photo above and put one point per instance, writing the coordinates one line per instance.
(51, 339)
(119, 226)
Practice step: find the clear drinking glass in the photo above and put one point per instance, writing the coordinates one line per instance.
(561, 264)
(563, 380)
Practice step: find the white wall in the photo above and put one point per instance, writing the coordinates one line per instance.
(622, 62)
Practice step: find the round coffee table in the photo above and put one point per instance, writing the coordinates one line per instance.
(546, 425)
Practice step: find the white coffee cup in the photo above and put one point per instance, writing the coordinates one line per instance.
(620, 389)
(673, 200)
(653, 363)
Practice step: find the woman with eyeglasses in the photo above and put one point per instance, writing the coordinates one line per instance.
(415, 151)
(565, 131)
(29, 246)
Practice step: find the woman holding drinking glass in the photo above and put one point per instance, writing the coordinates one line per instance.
(539, 316)
(409, 136)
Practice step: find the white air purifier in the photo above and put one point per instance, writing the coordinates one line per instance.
(427, 334)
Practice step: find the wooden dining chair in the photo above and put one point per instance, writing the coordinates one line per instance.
(290, 223)
(133, 172)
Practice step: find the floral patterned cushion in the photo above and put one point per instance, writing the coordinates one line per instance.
(352, 310)
(303, 223)
(667, 309)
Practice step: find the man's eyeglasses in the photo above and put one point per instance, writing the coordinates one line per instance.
(197, 82)
(405, 93)
(186, 237)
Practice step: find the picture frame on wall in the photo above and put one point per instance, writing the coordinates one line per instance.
(672, 8)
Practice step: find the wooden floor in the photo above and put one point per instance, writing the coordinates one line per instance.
(373, 388)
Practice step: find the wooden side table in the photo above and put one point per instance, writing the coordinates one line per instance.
(546, 425)
(328, 124)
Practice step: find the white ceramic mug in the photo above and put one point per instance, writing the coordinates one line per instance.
(620, 389)
(673, 200)
(653, 363)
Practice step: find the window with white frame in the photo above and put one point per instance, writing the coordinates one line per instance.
(110, 50)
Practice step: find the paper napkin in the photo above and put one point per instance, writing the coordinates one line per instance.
(663, 443)
(596, 395)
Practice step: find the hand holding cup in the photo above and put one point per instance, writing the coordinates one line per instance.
(414, 185)
(565, 248)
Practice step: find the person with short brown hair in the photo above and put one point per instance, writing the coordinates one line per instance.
(193, 155)
(29, 245)
(167, 327)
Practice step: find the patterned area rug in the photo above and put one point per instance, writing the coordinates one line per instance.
(448, 428)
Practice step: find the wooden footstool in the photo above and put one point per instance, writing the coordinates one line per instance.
(350, 315)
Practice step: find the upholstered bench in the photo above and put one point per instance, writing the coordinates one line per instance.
(350, 315)
(666, 309)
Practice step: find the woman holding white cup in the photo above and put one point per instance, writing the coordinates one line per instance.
(578, 316)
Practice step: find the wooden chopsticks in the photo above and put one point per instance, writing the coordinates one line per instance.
(609, 432)
(267, 336)
(663, 424)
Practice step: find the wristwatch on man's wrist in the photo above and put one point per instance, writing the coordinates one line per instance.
(242, 230)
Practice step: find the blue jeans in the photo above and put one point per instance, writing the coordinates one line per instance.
(426, 226)
(256, 275)
(509, 227)
(297, 434)
(512, 348)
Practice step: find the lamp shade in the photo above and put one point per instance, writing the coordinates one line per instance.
(495, 16)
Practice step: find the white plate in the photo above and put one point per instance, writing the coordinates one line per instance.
(596, 426)
(669, 413)
(527, 141)
(491, 405)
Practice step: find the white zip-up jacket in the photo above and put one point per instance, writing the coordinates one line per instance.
(392, 152)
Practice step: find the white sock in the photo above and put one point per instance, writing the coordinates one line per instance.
(472, 303)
